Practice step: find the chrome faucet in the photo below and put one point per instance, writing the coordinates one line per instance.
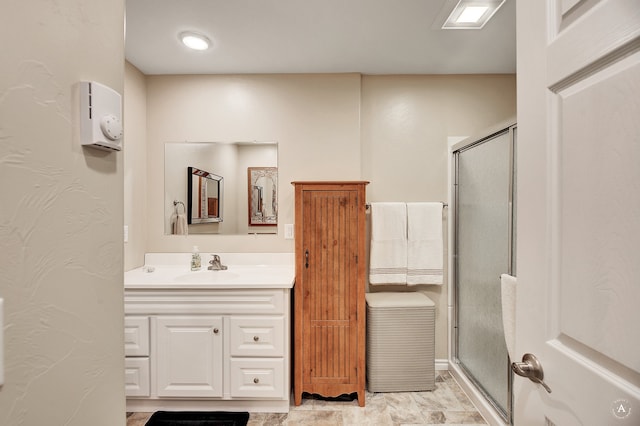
(215, 263)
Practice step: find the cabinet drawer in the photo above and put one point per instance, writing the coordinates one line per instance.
(257, 336)
(136, 336)
(257, 378)
(136, 376)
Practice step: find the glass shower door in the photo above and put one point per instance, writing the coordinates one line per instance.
(483, 244)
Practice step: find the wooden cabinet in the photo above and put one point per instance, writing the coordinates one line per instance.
(329, 324)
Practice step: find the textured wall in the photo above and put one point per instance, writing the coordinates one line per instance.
(61, 209)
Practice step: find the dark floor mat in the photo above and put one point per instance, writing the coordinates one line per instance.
(197, 418)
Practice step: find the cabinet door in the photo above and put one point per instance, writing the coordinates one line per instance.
(330, 286)
(189, 356)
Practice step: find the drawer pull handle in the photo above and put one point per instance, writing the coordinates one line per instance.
(256, 338)
(256, 380)
(216, 331)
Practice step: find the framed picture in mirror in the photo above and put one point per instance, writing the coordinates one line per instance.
(204, 196)
(262, 196)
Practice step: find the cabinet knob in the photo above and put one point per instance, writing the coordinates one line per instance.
(216, 331)
(256, 380)
(256, 338)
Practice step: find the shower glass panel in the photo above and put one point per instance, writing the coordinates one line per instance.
(483, 210)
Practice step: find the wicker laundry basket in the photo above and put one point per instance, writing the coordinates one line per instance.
(400, 342)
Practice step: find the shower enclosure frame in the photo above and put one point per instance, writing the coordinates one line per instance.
(509, 128)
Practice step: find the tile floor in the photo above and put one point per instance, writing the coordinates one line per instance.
(447, 404)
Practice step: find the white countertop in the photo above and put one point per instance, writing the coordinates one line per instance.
(244, 270)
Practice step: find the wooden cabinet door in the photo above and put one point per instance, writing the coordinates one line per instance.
(189, 356)
(330, 290)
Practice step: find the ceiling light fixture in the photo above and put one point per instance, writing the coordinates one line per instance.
(194, 40)
(472, 14)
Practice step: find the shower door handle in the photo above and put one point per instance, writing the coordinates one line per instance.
(530, 368)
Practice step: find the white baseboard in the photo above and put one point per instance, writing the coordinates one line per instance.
(442, 364)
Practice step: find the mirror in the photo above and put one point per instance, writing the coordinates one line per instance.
(227, 159)
(262, 196)
(204, 196)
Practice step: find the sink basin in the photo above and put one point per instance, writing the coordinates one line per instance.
(206, 276)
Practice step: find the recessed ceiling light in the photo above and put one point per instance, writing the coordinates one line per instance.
(472, 14)
(194, 40)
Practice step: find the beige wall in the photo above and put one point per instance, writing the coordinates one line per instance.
(135, 160)
(61, 218)
(406, 121)
(390, 130)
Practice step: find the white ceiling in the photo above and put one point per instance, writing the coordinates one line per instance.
(316, 36)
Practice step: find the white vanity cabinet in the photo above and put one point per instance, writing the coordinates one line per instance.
(207, 348)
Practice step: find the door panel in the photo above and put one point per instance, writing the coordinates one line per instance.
(598, 165)
(330, 240)
(590, 36)
(579, 210)
(595, 263)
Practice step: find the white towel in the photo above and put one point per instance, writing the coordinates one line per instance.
(388, 255)
(180, 226)
(425, 251)
(508, 290)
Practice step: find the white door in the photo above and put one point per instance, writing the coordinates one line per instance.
(578, 264)
(189, 356)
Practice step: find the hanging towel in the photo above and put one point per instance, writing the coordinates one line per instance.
(424, 243)
(180, 226)
(508, 290)
(388, 254)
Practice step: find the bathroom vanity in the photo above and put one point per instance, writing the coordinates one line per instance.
(209, 340)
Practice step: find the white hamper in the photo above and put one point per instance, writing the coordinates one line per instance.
(400, 342)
